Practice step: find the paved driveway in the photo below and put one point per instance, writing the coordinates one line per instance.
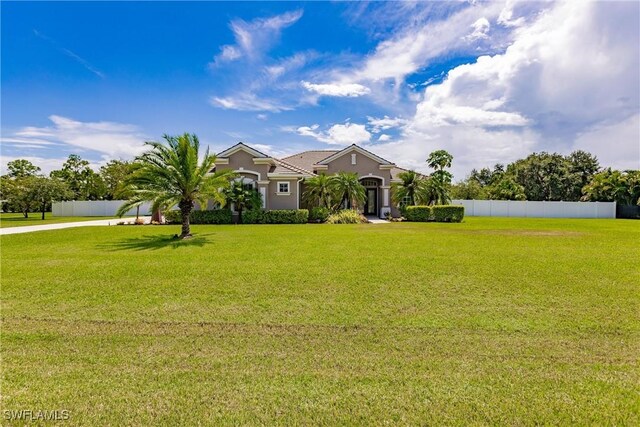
(32, 228)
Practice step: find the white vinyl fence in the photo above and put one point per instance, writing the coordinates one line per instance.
(527, 209)
(94, 208)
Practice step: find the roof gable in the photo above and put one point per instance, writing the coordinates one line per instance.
(241, 146)
(357, 149)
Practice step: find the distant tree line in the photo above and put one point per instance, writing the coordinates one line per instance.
(551, 177)
(25, 189)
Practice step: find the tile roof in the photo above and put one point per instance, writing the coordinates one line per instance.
(285, 167)
(307, 159)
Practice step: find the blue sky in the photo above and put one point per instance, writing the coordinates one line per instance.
(488, 81)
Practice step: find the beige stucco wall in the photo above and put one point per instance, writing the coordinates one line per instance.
(363, 167)
(242, 159)
(281, 201)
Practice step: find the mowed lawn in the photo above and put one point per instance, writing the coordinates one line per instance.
(35, 218)
(492, 321)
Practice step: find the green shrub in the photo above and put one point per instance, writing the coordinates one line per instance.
(347, 216)
(284, 216)
(215, 216)
(318, 214)
(418, 213)
(253, 216)
(289, 216)
(448, 213)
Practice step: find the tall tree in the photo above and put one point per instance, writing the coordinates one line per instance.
(505, 188)
(582, 167)
(544, 176)
(469, 189)
(48, 190)
(347, 186)
(318, 191)
(436, 189)
(113, 174)
(18, 193)
(21, 168)
(81, 179)
(169, 174)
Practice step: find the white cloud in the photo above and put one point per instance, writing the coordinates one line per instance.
(255, 37)
(384, 137)
(416, 46)
(339, 134)
(480, 29)
(385, 123)
(111, 139)
(616, 145)
(568, 80)
(247, 102)
(337, 89)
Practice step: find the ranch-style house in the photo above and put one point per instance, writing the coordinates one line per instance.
(281, 181)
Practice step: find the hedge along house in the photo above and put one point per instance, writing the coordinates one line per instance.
(281, 181)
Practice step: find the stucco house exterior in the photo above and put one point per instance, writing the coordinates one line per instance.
(281, 181)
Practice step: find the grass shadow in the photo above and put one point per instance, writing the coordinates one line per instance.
(154, 242)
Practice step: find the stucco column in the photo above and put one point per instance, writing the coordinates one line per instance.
(386, 201)
(262, 188)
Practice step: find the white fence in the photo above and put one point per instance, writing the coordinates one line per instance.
(527, 209)
(94, 208)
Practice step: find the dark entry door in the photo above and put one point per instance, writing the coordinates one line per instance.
(372, 201)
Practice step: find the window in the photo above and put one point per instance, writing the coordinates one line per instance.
(369, 183)
(353, 159)
(283, 188)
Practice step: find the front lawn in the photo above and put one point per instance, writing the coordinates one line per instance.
(492, 321)
(35, 218)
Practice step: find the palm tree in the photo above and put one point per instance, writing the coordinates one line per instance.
(434, 192)
(243, 198)
(318, 191)
(346, 186)
(437, 187)
(409, 188)
(170, 174)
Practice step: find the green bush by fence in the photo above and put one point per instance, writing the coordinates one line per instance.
(215, 216)
(418, 213)
(448, 213)
(443, 213)
(288, 216)
(318, 214)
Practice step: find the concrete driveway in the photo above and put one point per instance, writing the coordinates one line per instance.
(33, 228)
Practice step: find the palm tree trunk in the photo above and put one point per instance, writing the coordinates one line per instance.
(137, 212)
(185, 209)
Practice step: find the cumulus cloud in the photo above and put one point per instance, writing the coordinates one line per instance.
(255, 37)
(385, 123)
(480, 29)
(568, 80)
(338, 134)
(112, 140)
(337, 89)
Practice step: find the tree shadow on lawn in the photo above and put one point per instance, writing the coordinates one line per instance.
(154, 242)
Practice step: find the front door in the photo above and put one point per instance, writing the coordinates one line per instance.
(371, 202)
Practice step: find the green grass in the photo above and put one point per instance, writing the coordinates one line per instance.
(492, 321)
(35, 218)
